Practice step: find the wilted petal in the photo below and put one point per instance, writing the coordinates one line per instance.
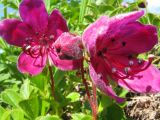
(14, 31)
(34, 13)
(57, 24)
(64, 64)
(28, 64)
(99, 78)
(92, 32)
(69, 46)
(147, 81)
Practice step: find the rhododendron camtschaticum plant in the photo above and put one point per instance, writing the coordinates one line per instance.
(114, 44)
(36, 34)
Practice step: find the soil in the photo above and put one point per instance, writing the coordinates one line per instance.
(143, 107)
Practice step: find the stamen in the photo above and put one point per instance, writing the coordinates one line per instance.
(51, 37)
(127, 70)
(140, 61)
(114, 70)
(27, 47)
(131, 63)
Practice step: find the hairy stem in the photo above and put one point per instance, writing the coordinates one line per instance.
(52, 80)
(94, 101)
(91, 101)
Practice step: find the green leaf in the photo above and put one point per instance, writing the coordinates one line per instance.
(4, 76)
(105, 102)
(26, 89)
(58, 76)
(2, 67)
(113, 112)
(12, 58)
(11, 97)
(53, 117)
(83, 10)
(6, 115)
(73, 96)
(17, 114)
(2, 111)
(39, 81)
(31, 107)
(3, 45)
(45, 107)
(81, 116)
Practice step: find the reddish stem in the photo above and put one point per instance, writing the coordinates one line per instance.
(92, 102)
(52, 80)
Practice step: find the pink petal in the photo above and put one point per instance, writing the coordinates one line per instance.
(34, 13)
(28, 64)
(98, 75)
(57, 24)
(64, 64)
(138, 38)
(147, 81)
(14, 31)
(69, 46)
(122, 19)
(92, 32)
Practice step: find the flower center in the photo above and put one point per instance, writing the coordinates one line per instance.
(118, 68)
(38, 45)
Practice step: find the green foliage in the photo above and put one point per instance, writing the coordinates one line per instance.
(23, 97)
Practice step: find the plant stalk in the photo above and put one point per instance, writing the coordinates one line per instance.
(52, 80)
(91, 101)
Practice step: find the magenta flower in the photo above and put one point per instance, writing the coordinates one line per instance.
(113, 45)
(36, 34)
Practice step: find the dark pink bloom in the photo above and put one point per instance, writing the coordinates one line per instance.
(36, 33)
(113, 45)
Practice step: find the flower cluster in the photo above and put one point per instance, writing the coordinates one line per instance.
(113, 45)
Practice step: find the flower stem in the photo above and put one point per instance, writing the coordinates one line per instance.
(92, 102)
(52, 80)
